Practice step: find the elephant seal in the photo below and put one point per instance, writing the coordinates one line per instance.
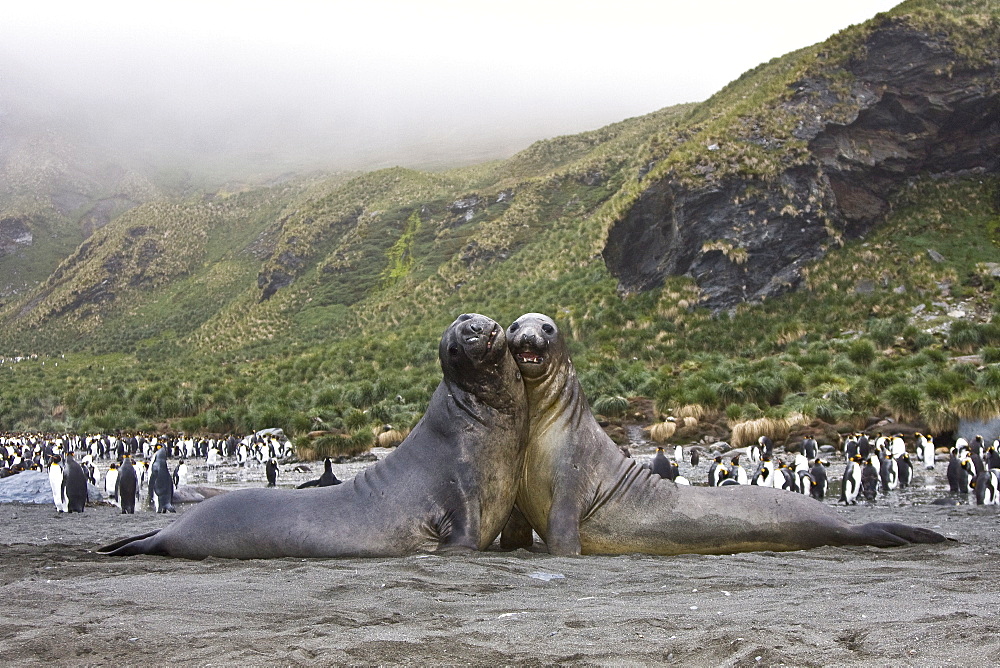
(449, 486)
(583, 497)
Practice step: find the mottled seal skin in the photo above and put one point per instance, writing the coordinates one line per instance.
(582, 496)
(449, 486)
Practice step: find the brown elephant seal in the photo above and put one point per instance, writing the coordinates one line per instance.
(583, 496)
(449, 486)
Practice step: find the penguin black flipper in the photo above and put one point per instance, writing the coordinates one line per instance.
(128, 547)
(308, 483)
(893, 534)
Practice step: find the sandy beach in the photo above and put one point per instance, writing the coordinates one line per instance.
(62, 604)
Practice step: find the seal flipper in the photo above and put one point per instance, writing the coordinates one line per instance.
(128, 547)
(563, 535)
(892, 534)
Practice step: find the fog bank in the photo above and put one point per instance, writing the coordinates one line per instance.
(364, 84)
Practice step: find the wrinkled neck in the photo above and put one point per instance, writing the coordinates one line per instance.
(556, 398)
(494, 385)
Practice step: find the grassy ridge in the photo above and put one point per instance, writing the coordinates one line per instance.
(271, 306)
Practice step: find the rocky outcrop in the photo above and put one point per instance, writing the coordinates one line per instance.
(14, 233)
(916, 111)
(279, 274)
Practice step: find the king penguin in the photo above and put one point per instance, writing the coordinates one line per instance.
(820, 480)
(127, 486)
(161, 483)
(271, 470)
(869, 479)
(988, 488)
(75, 484)
(888, 471)
(810, 448)
(960, 472)
(716, 471)
(737, 472)
(56, 483)
(925, 450)
(852, 481)
(904, 469)
(660, 464)
(111, 483)
(180, 474)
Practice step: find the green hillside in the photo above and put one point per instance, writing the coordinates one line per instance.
(317, 303)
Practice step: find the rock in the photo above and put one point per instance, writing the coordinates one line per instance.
(957, 313)
(465, 204)
(14, 233)
(935, 256)
(864, 287)
(909, 119)
(33, 487)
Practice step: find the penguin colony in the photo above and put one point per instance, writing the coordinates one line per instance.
(137, 467)
(875, 465)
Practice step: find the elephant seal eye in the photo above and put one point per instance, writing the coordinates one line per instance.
(514, 327)
(547, 328)
(453, 350)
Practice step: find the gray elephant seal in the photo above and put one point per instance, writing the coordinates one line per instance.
(449, 486)
(583, 496)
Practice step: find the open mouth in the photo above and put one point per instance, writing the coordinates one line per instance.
(529, 358)
(489, 342)
(493, 337)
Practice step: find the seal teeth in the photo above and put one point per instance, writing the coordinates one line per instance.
(529, 358)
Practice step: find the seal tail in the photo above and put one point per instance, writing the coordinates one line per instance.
(128, 547)
(891, 534)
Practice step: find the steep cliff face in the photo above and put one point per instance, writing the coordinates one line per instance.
(914, 109)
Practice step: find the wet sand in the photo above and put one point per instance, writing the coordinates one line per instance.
(61, 604)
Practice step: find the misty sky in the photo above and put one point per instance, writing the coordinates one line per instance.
(386, 80)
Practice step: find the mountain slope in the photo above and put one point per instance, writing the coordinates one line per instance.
(766, 182)
(798, 205)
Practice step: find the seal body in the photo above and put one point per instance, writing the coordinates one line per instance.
(449, 486)
(583, 497)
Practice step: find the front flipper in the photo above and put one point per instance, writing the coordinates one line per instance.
(458, 531)
(563, 537)
(891, 534)
(128, 547)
